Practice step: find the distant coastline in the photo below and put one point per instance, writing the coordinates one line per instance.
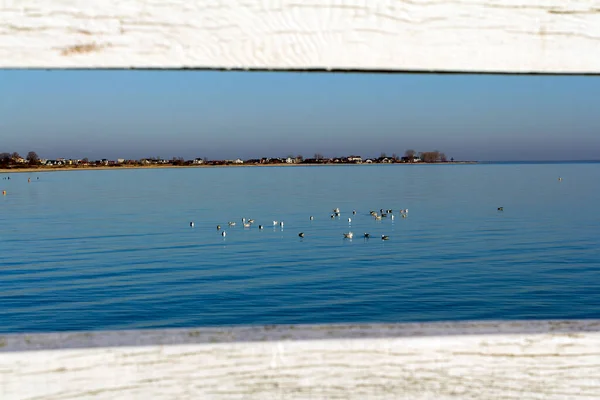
(29, 169)
(32, 162)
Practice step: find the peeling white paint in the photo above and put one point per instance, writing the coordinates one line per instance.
(511, 360)
(433, 35)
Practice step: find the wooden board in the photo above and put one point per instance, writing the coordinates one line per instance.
(510, 360)
(516, 36)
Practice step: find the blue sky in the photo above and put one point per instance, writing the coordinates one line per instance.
(135, 114)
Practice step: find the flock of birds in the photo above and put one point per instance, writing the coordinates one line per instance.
(388, 213)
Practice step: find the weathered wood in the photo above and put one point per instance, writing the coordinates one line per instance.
(508, 360)
(543, 36)
(512, 360)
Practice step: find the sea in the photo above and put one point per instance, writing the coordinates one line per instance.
(114, 249)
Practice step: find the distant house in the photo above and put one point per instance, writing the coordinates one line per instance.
(198, 161)
(120, 160)
(368, 161)
(354, 159)
(408, 159)
(290, 160)
(238, 161)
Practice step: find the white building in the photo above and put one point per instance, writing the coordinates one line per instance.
(356, 159)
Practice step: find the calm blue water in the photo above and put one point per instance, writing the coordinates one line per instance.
(88, 250)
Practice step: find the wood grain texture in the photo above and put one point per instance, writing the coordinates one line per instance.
(511, 360)
(520, 36)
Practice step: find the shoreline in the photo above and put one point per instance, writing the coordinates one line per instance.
(121, 167)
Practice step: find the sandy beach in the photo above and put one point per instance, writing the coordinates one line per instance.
(72, 168)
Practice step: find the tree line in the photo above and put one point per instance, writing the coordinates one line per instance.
(426, 156)
(32, 158)
(15, 158)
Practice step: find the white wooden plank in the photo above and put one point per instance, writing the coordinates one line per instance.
(545, 36)
(416, 361)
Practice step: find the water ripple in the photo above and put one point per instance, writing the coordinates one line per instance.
(107, 250)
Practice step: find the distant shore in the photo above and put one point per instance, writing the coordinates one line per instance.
(155, 166)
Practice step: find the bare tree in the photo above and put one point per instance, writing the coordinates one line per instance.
(382, 155)
(318, 156)
(443, 157)
(33, 158)
(432, 156)
(177, 161)
(426, 156)
(15, 156)
(410, 154)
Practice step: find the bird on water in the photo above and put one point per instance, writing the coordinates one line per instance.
(301, 234)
